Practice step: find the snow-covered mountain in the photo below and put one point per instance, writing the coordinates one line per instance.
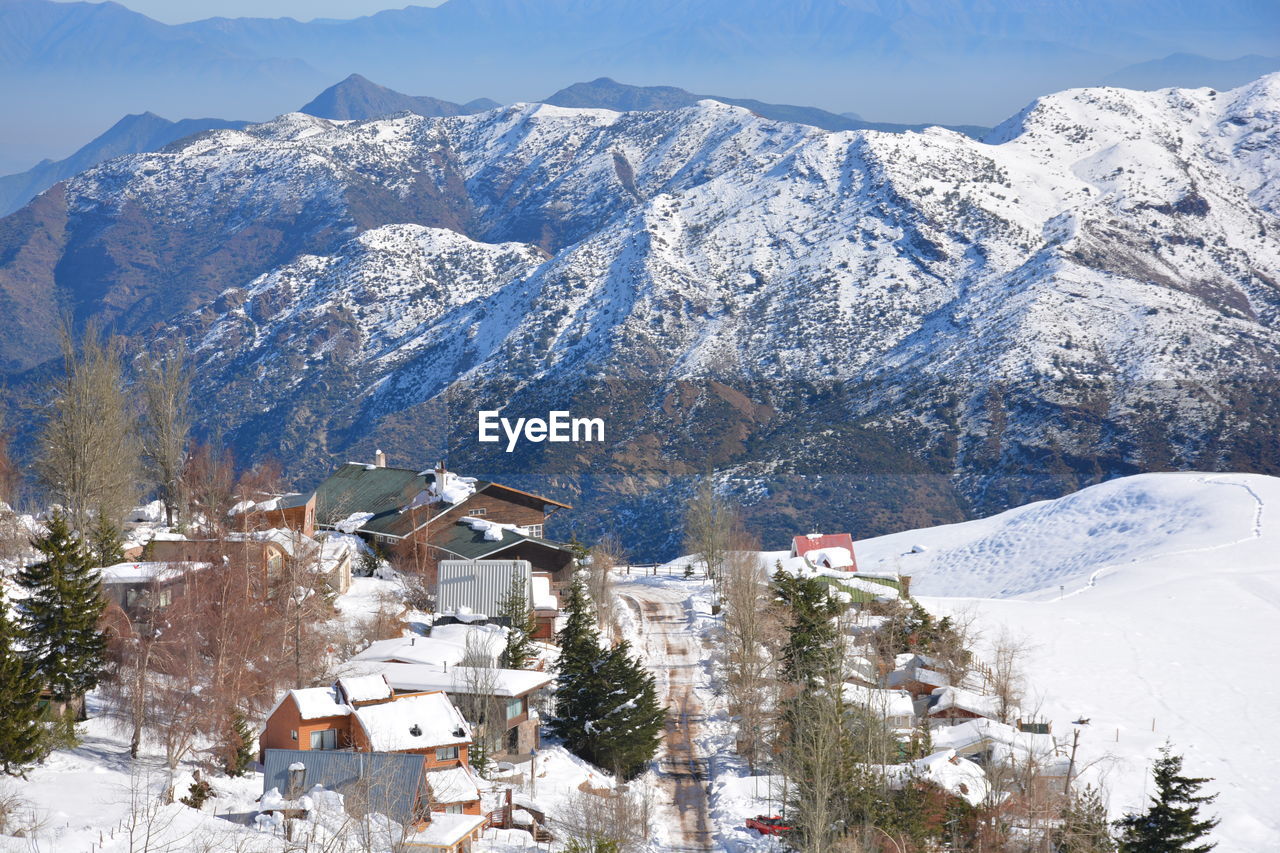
(1091, 291)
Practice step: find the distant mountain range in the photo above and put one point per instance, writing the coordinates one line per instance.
(608, 94)
(852, 330)
(131, 135)
(357, 98)
(70, 68)
(1190, 71)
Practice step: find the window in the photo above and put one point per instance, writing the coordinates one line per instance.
(515, 707)
(480, 510)
(456, 808)
(327, 739)
(446, 753)
(534, 530)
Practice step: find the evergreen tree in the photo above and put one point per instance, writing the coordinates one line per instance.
(59, 617)
(580, 654)
(607, 709)
(22, 737)
(1084, 827)
(1172, 823)
(628, 721)
(811, 648)
(243, 746)
(515, 612)
(106, 547)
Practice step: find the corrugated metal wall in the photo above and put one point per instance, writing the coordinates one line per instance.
(479, 585)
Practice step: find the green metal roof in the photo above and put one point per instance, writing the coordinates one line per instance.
(470, 544)
(368, 488)
(383, 491)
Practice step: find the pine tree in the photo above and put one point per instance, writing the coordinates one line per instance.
(811, 647)
(106, 547)
(1172, 823)
(628, 721)
(579, 656)
(1084, 827)
(22, 738)
(242, 747)
(515, 612)
(607, 709)
(59, 617)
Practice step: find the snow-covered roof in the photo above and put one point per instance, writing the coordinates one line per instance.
(145, 572)
(917, 673)
(410, 677)
(446, 645)
(445, 830)
(455, 785)
(364, 688)
(543, 598)
(353, 522)
(958, 776)
(945, 698)
(290, 542)
(830, 558)
(413, 722)
(1005, 742)
(315, 703)
(886, 703)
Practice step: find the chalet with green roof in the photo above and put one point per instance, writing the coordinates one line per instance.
(423, 517)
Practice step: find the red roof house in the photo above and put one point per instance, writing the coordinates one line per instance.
(817, 546)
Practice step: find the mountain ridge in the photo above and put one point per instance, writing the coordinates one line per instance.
(850, 329)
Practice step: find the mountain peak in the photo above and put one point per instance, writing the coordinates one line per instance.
(357, 97)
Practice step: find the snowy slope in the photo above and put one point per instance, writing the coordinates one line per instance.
(1168, 642)
(1076, 541)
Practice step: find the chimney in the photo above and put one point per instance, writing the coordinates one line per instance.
(379, 459)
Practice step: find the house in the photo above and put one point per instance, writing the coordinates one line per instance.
(895, 707)
(918, 681)
(826, 551)
(428, 516)
(989, 742)
(269, 551)
(143, 587)
(296, 512)
(481, 586)
(364, 714)
(952, 704)
(958, 777)
(512, 690)
(448, 645)
(395, 785)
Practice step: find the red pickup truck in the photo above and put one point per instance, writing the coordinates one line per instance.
(766, 825)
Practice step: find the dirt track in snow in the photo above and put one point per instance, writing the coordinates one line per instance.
(675, 654)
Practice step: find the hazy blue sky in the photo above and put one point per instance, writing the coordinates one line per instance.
(179, 11)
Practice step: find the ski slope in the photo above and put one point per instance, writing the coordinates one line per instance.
(1151, 605)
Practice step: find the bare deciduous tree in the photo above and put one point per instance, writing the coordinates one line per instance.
(605, 556)
(708, 520)
(210, 484)
(621, 819)
(750, 630)
(166, 396)
(1004, 673)
(88, 450)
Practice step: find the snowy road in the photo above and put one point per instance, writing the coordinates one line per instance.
(676, 655)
